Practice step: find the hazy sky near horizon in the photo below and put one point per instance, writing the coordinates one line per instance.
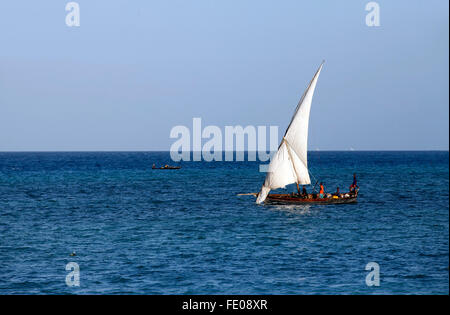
(135, 69)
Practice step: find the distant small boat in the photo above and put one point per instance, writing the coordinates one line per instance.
(166, 167)
(289, 165)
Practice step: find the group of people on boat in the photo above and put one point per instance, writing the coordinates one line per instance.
(352, 191)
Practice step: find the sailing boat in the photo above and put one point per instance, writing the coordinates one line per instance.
(290, 165)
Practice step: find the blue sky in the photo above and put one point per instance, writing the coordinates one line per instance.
(135, 69)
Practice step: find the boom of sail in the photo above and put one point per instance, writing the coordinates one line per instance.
(290, 164)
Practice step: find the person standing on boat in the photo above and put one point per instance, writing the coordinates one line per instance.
(321, 191)
(354, 185)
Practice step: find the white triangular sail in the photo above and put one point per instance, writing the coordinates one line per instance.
(290, 163)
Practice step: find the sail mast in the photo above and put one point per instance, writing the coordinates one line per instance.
(292, 163)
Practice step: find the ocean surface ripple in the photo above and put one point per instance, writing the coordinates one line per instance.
(141, 231)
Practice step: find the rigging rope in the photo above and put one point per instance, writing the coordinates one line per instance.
(315, 179)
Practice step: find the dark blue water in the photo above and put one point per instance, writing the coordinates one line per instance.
(135, 230)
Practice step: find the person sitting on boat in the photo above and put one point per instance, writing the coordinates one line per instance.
(352, 189)
(321, 191)
(337, 193)
(304, 193)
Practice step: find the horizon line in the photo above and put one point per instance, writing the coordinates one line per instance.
(316, 150)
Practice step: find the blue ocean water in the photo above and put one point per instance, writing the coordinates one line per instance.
(142, 231)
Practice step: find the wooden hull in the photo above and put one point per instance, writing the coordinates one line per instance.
(294, 199)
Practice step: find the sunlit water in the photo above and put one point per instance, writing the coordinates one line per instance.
(137, 230)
